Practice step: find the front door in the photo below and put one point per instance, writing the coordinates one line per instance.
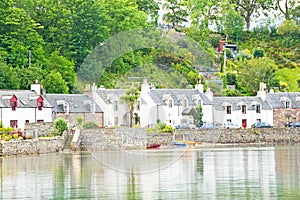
(244, 123)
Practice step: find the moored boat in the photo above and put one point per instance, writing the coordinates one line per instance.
(153, 146)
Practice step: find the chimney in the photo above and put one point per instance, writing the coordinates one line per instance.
(36, 87)
(262, 93)
(145, 87)
(199, 86)
(209, 94)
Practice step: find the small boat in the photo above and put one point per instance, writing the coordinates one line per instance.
(179, 144)
(184, 143)
(153, 146)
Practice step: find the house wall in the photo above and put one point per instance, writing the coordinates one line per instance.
(237, 116)
(23, 114)
(207, 111)
(87, 117)
(148, 112)
(283, 116)
(109, 111)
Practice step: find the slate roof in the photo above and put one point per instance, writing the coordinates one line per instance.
(105, 93)
(77, 103)
(26, 98)
(274, 99)
(158, 96)
(220, 103)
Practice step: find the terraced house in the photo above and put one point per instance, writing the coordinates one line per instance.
(18, 107)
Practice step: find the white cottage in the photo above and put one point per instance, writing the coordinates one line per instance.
(18, 107)
(171, 106)
(243, 111)
(109, 100)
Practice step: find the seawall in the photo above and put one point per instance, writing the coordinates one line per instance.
(34, 146)
(125, 138)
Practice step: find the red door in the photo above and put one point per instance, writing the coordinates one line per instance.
(244, 123)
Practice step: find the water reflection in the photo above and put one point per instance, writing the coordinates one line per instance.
(219, 173)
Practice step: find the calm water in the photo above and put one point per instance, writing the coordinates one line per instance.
(207, 173)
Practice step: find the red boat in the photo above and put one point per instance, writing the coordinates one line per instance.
(153, 146)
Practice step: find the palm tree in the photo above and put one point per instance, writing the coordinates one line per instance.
(130, 98)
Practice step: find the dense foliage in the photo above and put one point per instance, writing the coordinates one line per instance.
(49, 41)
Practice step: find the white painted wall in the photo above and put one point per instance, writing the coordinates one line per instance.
(23, 114)
(237, 116)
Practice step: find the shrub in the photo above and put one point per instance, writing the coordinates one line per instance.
(61, 125)
(167, 129)
(79, 121)
(90, 124)
(54, 132)
(6, 130)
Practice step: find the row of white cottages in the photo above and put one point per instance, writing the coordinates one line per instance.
(170, 106)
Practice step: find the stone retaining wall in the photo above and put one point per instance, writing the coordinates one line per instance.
(35, 130)
(101, 139)
(34, 146)
(264, 135)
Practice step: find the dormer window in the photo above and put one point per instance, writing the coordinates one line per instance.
(228, 109)
(287, 104)
(40, 103)
(199, 102)
(14, 103)
(244, 109)
(170, 103)
(185, 103)
(115, 105)
(257, 108)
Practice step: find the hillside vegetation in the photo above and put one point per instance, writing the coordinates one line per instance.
(50, 41)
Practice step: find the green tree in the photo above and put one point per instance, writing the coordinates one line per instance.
(29, 75)
(248, 8)
(260, 70)
(54, 83)
(64, 67)
(287, 7)
(8, 77)
(204, 12)
(130, 98)
(19, 36)
(61, 125)
(150, 7)
(199, 119)
(177, 12)
(123, 15)
(233, 24)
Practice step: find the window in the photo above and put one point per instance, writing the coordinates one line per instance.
(244, 109)
(26, 121)
(228, 120)
(257, 108)
(14, 123)
(40, 105)
(115, 105)
(199, 102)
(14, 102)
(116, 121)
(287, 104)
(40, 121)
(170, 103)
(228, 109)
(13, 105)
(138, 107)
(185, 103)
(258, 120)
